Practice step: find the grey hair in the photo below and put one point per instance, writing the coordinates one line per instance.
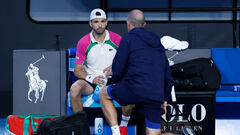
(136, 18)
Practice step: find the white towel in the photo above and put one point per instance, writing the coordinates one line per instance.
(171, 43)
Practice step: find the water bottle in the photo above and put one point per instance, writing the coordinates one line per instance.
(98, 124)
(95, 96)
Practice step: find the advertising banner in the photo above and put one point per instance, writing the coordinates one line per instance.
(198, 108)
(39, 82)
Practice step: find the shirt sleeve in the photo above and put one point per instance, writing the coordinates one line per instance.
(115, 38)
(119, 66)
(80, 53)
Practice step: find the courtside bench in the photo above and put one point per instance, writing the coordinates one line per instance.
(227, 97)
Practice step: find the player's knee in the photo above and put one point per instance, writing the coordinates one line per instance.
(75, 89)
(73, 92)
(151, 131)
(103, 92)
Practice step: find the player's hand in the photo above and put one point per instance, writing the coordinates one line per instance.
(99, 80)
(108, 71)
(164, 107)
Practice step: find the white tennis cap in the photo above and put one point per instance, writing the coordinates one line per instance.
(97, 13)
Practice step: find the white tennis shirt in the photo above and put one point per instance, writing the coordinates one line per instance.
(97, 56)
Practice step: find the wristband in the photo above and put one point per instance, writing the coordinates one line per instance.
(89, 78)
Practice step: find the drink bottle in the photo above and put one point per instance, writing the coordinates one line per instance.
(98, 124)
(95, 96)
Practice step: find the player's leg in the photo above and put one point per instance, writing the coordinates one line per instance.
(79, 88)
(126, 111)
(126, 114)
(109, 110)
(151, 131)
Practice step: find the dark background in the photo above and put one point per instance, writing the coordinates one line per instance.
(17, 31)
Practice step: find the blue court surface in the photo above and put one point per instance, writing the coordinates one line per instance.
(223, 126)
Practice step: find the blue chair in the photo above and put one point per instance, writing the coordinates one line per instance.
(227, 100)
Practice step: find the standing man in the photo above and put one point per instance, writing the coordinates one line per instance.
(141, 76)
(94, 56)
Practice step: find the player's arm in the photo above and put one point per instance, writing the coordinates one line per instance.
(78, 71)
(108, 71)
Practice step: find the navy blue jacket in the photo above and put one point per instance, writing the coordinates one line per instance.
(142, 66)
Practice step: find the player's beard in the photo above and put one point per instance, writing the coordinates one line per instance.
(99, 31)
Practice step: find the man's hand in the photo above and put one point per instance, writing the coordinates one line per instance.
(164, 107)
(99, 80)
(108, 71)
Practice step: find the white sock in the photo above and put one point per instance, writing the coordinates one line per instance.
(115, 130)
(124, 121)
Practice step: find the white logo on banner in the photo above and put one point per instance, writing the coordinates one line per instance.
(193, 114)
(35, 83)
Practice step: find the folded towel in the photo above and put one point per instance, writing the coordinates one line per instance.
(171, 43)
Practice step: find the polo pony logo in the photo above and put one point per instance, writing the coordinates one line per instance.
(35, 83)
